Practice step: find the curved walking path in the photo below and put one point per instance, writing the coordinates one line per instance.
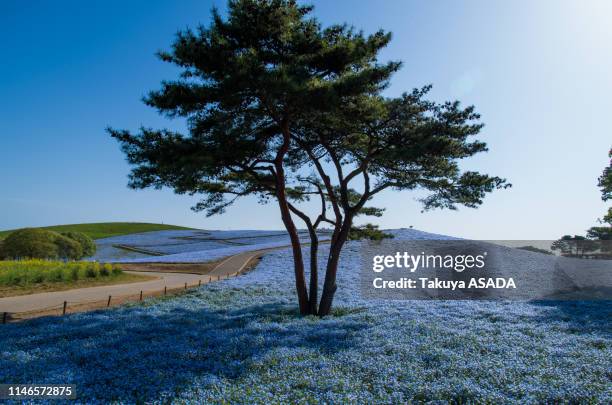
(235, 264)
(34, 302)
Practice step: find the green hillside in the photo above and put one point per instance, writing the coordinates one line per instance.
(106, 229)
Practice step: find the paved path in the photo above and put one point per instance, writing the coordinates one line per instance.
(33, 302)
(235, 264)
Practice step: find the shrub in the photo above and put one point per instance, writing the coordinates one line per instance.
(31, 243)
(68, 248)
(87, 244)
(116, 270)
(105, 270)
(56, 274)
(37, 243)
(93, 270)
(74, 273)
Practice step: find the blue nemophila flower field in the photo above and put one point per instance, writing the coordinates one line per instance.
(189, 245)
(241, 341)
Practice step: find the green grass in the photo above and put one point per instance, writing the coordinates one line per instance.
(106, 229)
(29, 272)
(32, 276)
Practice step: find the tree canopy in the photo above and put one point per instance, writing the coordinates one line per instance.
(279, 107)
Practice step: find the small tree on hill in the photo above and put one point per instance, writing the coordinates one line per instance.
(281, 108)
(580, 245)
(604, 232)
(605, 184)
(368, 232)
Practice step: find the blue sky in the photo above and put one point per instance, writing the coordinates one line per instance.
(538, 72)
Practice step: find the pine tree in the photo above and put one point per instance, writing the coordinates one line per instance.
(279, 107)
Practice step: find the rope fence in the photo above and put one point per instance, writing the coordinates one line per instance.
(68, 307)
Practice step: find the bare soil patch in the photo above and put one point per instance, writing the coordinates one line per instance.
(190, 268)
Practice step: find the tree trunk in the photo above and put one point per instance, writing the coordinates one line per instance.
(314, 270)
(281, 196)
(298, 261)
(329, 287)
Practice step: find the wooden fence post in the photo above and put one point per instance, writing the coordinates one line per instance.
(140, 295)
(209, 279)
(108, 303)
(165, 290)
(185, 286)
(199, 283)
(64, 310)
(4, 317)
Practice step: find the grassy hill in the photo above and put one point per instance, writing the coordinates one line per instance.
(106, 229)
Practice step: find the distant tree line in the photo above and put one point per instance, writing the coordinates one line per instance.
(598, 239)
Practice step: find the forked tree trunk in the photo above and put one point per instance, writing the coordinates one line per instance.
(314, 271)
(281, 196)
(329, 287)
(298, 261)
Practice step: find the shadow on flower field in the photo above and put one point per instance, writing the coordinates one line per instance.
(578, 317)
(144, 353)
